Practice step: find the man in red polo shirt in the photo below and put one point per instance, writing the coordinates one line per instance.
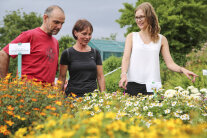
(42, 62)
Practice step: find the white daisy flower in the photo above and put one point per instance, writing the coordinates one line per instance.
(145, 108)
(179, 111)
(174, 103)
(108, 106)
(150, 114)
(101, 101)
(176, 115)
(169, 93)
(92, 113)
(167, 111)
(136, 103)
(205, 114)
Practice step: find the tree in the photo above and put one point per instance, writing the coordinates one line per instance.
(65, 42)
(14, 23)
(184, 23)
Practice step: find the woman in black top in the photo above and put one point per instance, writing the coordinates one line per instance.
(83, 63)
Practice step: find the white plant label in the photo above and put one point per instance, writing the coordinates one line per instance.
(151, 86)
(21, 48)
(205, 72)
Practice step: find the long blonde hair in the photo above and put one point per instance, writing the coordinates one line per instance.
(152, 20)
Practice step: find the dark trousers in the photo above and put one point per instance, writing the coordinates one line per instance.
(134, 89)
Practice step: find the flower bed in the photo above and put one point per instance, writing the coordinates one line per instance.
(30, 110)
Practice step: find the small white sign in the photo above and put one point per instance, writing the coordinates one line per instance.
(19, 48)
(151, 86)
(204, 72)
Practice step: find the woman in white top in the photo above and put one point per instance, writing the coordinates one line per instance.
(140, 64)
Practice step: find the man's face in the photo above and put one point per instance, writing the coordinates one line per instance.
(54, 22)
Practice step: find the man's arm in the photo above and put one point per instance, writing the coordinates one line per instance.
(4, 63)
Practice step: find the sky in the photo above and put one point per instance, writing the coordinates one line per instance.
(101, 13)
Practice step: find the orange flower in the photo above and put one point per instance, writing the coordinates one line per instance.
(21, 100)
(37, 91)
(7, 95)
(9, 122)
(73, 94)
(48, 107)
(58, 103)
(42, 113)
(80, 99)
(55, 114)
(18, 94)
(36, 109)
(21, 106)
(27, 113)
(24, 88)
(34, 100)
(10, 112)
(3, 129)
(10, 107)
(53, 108)
(71, 106)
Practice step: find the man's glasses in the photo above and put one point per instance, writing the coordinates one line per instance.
(139, 18)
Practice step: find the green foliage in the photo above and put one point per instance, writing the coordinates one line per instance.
(65, 42)
(111, 63)
(14, 23)
(112, 80)
(180, 21)
(196, 62)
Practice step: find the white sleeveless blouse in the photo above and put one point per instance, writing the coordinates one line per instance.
(144, 66)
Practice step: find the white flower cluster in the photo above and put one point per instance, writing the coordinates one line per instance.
(190, 93)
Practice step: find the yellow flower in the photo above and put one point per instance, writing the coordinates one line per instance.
(51, 96)
(21, 82)
(23, 118)
(110, 115)
(39, 127)
(55, 88)
(93, 130)
(59, 82)
(10, 112)
(9, 122)
(53, 108)
(10, 107)
(45, 136)
(20, 132)
(96, 108)
(135, 131)
(50, 123)
(8, 76)
(58, 103)
(17, 116)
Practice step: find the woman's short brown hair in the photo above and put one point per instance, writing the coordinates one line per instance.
(80, 25)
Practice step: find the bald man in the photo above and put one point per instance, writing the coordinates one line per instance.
(42, 62)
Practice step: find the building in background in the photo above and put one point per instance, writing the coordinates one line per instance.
(107, 48)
